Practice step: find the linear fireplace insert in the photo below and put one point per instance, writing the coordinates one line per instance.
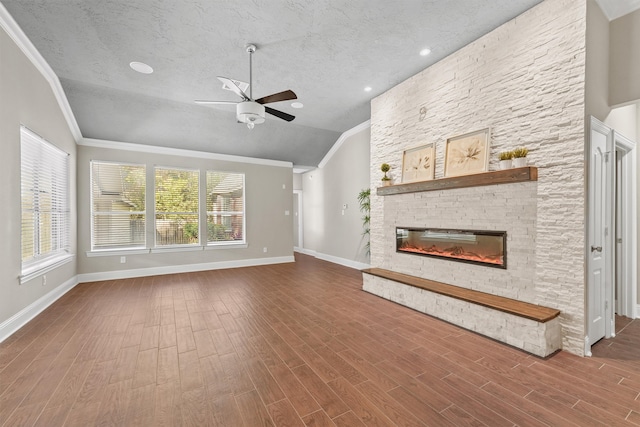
(488, 248)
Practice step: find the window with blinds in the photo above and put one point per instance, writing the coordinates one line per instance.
(44, 175)
(177, 206)
(225, 207)
(117, 206)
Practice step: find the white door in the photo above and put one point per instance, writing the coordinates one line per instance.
(298, 243)
(599, 286)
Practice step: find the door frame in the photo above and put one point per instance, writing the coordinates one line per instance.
(300, 241)
(628, 204)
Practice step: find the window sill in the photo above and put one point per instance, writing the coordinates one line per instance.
(226, 245)
(168, 249)
(116, 252)
(44, 267)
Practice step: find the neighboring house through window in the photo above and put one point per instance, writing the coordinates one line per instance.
(225, 207)
(44, 180)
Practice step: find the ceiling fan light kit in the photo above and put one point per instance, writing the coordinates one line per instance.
(252, 111)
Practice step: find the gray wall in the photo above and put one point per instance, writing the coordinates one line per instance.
(624, 84)
(26, 98)
(327, 230)
(266, 203)
(597, 63)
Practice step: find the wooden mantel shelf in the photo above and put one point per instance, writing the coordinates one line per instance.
(507, 176)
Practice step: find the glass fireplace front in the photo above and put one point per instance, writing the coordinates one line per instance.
(487, 248)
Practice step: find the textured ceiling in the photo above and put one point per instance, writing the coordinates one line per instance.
(616, 8)
(326, 51)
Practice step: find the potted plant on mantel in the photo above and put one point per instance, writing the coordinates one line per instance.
(386, 181)
(520, 157)
(505, 159)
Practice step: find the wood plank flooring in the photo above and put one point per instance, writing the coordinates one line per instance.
(295, 344)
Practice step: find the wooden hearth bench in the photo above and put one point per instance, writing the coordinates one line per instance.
(519, 308)
(531, 327)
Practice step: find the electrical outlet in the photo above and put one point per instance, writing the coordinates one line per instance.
(123, 259)
(44, 280)
(284, 186)
(264, 249)
(286, 213)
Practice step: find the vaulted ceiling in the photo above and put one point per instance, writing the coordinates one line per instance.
(327, 52)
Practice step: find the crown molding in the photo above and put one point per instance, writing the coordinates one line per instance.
(341, 140)
(143, 148)
(11, 27)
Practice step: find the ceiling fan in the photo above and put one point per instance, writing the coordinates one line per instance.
(252, 111)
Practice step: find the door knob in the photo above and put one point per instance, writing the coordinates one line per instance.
(596, 248)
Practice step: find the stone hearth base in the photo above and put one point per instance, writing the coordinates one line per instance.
(540, 339)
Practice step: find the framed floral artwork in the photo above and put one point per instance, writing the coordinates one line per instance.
(418, 164)
(467, 154)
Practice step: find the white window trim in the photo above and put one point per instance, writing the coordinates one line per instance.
(176, 248)
(45, 266)
(226, 245)
(113, 252)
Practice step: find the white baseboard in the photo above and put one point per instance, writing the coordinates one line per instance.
(307, 252)
(18, 320)
(342, 261)
(173, 269)
(334, 259)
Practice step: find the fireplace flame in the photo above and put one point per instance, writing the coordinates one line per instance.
(456, 252)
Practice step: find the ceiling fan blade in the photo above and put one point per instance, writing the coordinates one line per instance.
(234, 87)
(276, 97)
(204, 102)
(280, 114)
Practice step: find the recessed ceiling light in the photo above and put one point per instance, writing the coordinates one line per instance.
(141, 67)
(367, 89)
(424, 52)
(297, 104)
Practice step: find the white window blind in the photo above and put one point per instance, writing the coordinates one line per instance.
(45, 201)
(177, 206)
(225, 207)
(117, 206)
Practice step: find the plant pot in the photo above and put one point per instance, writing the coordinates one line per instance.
(519, 162)
(387, 182)
(505, 164)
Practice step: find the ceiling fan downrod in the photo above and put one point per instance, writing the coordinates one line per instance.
(251, 48)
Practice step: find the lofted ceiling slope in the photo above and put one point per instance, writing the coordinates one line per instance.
(325, 51)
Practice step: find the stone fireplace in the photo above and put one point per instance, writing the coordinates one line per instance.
(449, 231)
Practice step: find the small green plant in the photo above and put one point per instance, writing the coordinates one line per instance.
(385, 168)
(520, 152)
(364, 198)
(506, 155)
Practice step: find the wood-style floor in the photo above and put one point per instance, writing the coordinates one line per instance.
(290, 345)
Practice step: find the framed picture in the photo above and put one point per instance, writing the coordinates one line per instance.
(419, 163)
(467, 154)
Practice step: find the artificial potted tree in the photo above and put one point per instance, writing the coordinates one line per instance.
(505, 159)
(520, 157)
(386, 180)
